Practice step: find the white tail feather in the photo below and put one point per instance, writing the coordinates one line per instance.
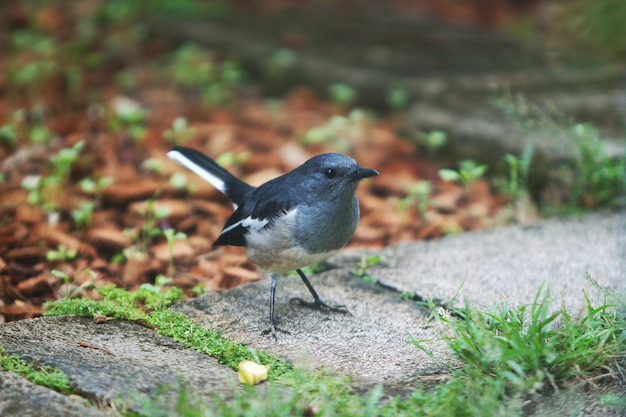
(214, 180)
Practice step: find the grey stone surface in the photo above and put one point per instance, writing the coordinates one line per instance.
(372, 344)
(510, 263)
(115, 361)
(21, 398)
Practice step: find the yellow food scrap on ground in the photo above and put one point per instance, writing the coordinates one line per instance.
(252, 373)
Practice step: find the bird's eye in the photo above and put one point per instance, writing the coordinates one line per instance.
(330, 173)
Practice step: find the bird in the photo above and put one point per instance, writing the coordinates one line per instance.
(298, 219)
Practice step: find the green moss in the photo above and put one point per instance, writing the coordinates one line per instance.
(151, 309)
(47, 376)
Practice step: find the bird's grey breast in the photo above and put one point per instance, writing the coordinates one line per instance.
(324, 226)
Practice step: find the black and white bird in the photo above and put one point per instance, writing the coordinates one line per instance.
(292, 221)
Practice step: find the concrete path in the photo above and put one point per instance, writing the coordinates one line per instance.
(119, 361)
(511, 263)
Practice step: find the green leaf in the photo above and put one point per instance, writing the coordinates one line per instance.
(449, 175)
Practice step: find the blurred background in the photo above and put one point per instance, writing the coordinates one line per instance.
(477, 113)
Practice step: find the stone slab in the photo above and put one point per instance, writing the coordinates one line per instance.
(21, 398)
(510, 263)
(116, 362)
(372, 345)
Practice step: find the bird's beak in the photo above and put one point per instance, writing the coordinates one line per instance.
(362, 173)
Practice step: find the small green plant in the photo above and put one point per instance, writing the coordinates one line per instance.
(180, 133)
(432, 141)
(31, 71)
(398, 98)
(199, 289)
(519, 169)
(469, 172)
(515, 185)
(361, 270)
(150, 228)
(193, 67)
(154, 165)
(595, 178)
(47, 191)
(60, 274)
(69, 289)
(196, 69)
(339, 131)
(171, 236)
(342, 94)
(47, 376)
(179, 181)
(159, 282)
(39, 134)
(416, 196)
(91, 186)
(63, 160)
(601, 180)
(61, 254)
(232, 159)
(26, 124)
(83, 214)
(118, 258)
(129, 119)
(38, 56)
(8, 135)
(280, 62)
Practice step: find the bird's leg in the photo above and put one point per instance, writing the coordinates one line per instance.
(318, 303)
(273, 323)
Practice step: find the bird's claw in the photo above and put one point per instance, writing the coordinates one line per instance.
(321, 305)
(274, 330)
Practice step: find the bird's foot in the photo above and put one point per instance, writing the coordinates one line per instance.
(321, 305)
(274, 330)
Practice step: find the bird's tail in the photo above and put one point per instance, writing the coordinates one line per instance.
(235, 189)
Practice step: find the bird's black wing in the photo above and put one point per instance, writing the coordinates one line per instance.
(258, 212)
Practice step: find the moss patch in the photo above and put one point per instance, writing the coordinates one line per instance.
(47, 376)
(150, 308)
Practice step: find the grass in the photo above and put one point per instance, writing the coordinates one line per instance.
(531, 346)
(508, 355)
(301, 393)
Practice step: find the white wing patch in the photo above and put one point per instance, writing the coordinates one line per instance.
(254, 224)
(249, 223)
(203, 173)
